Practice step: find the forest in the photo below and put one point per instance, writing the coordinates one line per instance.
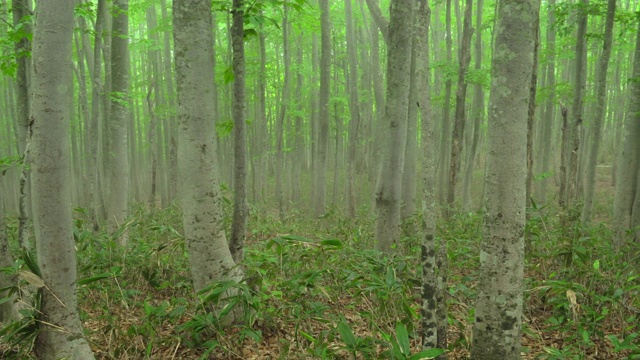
(319, 179)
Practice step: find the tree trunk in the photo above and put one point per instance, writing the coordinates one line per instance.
(93, 126)
(429, 326)
(531, 113)
(172, 187)
(408, 206)
(282, 114)
(388, 195)
(497, 327)
(579, 84)
(323, 126)
(49, 131)
(596, 128)
(477, 113)
(446, 114)
(240, 207)
(119, 119)
(20, 9)
(354, 110)
(546, 135)
(461, 95)
(204, 228)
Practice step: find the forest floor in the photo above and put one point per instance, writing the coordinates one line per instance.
(313, 290)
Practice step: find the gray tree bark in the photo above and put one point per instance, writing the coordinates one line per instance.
(497, 327)
(354, 109)
(240, 207)
(428, 310)
(21, 9)
(388, 195)
(119, 120)
(545, 138)
(477, 113)
(204, 228)
(457, 135)
(323, 119)
(60, 333)
(445, 139)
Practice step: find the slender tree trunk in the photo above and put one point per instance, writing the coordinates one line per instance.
(601, 93)
(378, 93)
(546, 135)
(323, 125)
(461, 95)
(171, 100)
(299, 159)
(378, 18)
(240, 207)
(93, 126)
(571, 152)
(284, 105)
(354, 110)
(531, 113)
(49, 131)
(20, 9)
(446, 114)
(477, 113)
(428, 310)
(119, 119)
(409, 188)
(388, 195)
(262, 115)
(497, 327)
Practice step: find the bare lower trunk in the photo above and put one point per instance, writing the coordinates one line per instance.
(60, 333)
(204, 228)
(388, 195)
(118, 121)
(497, 326)
(457, 135)
(323, 119)
(240, 207)
(428, 310)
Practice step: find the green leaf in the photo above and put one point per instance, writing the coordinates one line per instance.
(347, 335)
(596, 264)
(89, 280)
(32, 278)
(331, 242)
(403, 339)
(296, 238)
(307, 336)
(427, 354)
(4, 300)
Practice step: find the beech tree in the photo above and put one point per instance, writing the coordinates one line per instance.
(204, 228)
(60, 333)
(388, 195)
(119, 120)
(496, 330)
(240, 207)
